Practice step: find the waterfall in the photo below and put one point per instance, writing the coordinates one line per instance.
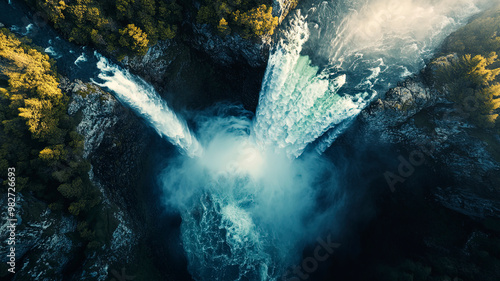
(360, 49)
(297, 102)
(142, 97)
(248, 202)
(246, 211)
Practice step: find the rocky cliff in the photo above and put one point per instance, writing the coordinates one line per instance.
(233, 49)
(115, 141)
(230, 49)
(428, 128)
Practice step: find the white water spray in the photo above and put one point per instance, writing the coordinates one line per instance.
(246, 212)
(248, 204)
(81, 58)
(362, 47)
(297, 104)
(142, 97)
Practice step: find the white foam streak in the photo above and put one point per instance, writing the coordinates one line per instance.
(142, 97)
(367, 46)
(81, 58)
(297, 102)
(52, 52)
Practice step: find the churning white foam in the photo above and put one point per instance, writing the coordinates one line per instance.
(142, 97)
(361, 49)
(81, 58)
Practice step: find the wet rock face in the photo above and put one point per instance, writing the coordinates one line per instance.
(154, 65)
(44, 247)
(114, 137)
(98, 113)
(230, 49)
(42, 244)
(412, 115)
(115, 141)
(399, 105)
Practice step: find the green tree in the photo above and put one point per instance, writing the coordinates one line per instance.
(470, 82)
(206, 15)
(251, 19)
(53, 153)
(223, 27)
(257, 21)
(134, 39)
(73, 190)
(53, 9)
(481, 36)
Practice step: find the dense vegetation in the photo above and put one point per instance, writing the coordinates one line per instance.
(120, 27)
(38, 137)
(471, 79)
(249, 18)
(440, 244)
(480, 36)
(129, 27)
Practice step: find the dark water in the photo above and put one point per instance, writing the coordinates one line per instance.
(24, 22)
(378, 224)
(161, 234)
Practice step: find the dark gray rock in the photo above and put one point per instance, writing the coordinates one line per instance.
(41, 239)
(413, 115)
(230, 49)
(156, 62)
(114, 145)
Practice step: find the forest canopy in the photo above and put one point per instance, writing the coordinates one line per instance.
(120, 27)
(470, 81)
(129, 27)
(38, 138)
(249, 18)
(469, 75)
(479, 37)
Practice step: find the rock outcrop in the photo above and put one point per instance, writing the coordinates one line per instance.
(415, 117)
(230, 49)
(154, 65)
(114, 145)
(42, 239)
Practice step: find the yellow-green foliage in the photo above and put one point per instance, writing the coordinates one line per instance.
(34, 129)
(106, 24)
(32, 87)
(256, 22)
(470, 82)
(55, 152)
(251, 19)
(223, 27)
(133, 38)
(472, 79)
(480, 36)
(54, 9)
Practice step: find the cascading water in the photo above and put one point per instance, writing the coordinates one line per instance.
(245, 211)
(361, 49)
(297, 104)
(142, 97)
(248, 202)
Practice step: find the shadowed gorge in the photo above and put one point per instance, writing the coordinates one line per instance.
(248, 204)
(231, 194)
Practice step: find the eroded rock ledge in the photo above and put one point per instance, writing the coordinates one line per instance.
(413, 115)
